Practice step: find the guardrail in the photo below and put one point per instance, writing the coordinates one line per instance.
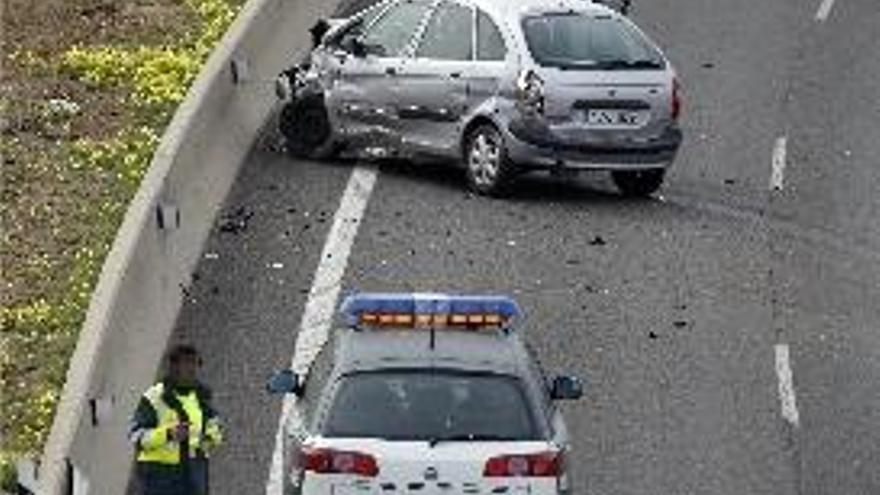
(140, 290)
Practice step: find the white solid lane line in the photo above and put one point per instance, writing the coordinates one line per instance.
(786, 385)
(777, 173)
(824, 10)
(321, 304)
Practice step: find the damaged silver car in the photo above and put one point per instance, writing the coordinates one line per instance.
(502, 87)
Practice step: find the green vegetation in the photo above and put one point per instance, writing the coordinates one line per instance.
(82, 119)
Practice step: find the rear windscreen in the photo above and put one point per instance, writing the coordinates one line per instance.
(417, 405)
(592, 42)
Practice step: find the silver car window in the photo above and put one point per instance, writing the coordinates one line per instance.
(449, 35)
(490, 43)
(390, 35)
(581, 41)
(357, 26)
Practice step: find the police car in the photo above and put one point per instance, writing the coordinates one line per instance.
(430, 394)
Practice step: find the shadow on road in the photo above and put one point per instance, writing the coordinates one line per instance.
(534, 187)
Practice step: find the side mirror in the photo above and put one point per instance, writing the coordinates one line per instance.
(318, 30)
(285, 382)
(566, 388)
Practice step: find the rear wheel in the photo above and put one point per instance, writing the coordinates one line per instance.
(638, 183)
(489, 170)
(305, 125)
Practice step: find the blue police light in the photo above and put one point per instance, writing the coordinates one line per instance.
(416, 309)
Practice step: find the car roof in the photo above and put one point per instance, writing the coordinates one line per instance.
(372, 350)
(507, 9)
(512, 10)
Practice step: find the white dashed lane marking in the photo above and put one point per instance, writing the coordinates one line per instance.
(778, 164)
(321, 304)
(824, 10)
(787, 398)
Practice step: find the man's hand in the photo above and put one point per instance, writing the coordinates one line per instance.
(180, 433)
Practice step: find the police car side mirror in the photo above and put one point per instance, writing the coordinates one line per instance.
(566, 388)
(285, 382)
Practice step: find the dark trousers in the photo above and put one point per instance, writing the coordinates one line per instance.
(185, 479)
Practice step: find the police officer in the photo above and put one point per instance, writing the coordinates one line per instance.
(174, 428)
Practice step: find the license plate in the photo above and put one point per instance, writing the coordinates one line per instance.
(615, 118)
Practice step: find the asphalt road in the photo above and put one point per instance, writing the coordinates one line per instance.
(672, 308)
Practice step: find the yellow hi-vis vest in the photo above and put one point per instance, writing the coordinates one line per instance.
(154, 445)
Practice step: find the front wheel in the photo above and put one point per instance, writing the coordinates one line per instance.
(305, 125)
(489, 170)
(638, 183)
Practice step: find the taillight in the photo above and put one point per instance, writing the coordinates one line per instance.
(544, 464)
(676, 99)
(530, 92)
(330, 461)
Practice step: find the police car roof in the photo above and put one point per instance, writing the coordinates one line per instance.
(371, 350)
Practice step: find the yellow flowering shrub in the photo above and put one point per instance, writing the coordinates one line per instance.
(157, 76)
(127, 155)
(101, 66)
(32, 330)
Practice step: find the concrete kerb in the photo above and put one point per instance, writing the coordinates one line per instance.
(135, 304)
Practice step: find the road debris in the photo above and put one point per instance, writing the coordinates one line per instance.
(237, 221)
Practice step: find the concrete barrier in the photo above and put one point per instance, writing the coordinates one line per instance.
(140, 290)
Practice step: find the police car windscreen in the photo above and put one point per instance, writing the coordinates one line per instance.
(418, 405)
(576, 41)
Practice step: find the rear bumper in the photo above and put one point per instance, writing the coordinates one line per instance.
(532, 144)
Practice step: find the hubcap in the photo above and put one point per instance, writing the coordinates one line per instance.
(484, 159)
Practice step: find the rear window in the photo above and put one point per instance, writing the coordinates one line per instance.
(417, 405)
(578, 41)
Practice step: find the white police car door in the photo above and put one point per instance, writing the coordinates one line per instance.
(431, 86)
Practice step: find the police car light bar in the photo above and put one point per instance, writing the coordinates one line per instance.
(406, 310)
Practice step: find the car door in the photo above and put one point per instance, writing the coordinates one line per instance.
(484, 75)
(362, 93)
(431, 87)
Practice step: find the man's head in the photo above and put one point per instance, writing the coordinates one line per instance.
(183, 365)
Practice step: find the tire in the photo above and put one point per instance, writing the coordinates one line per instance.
(489, 170)
(305, 125)
(638, 183)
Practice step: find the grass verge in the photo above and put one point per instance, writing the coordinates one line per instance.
(86, 90)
